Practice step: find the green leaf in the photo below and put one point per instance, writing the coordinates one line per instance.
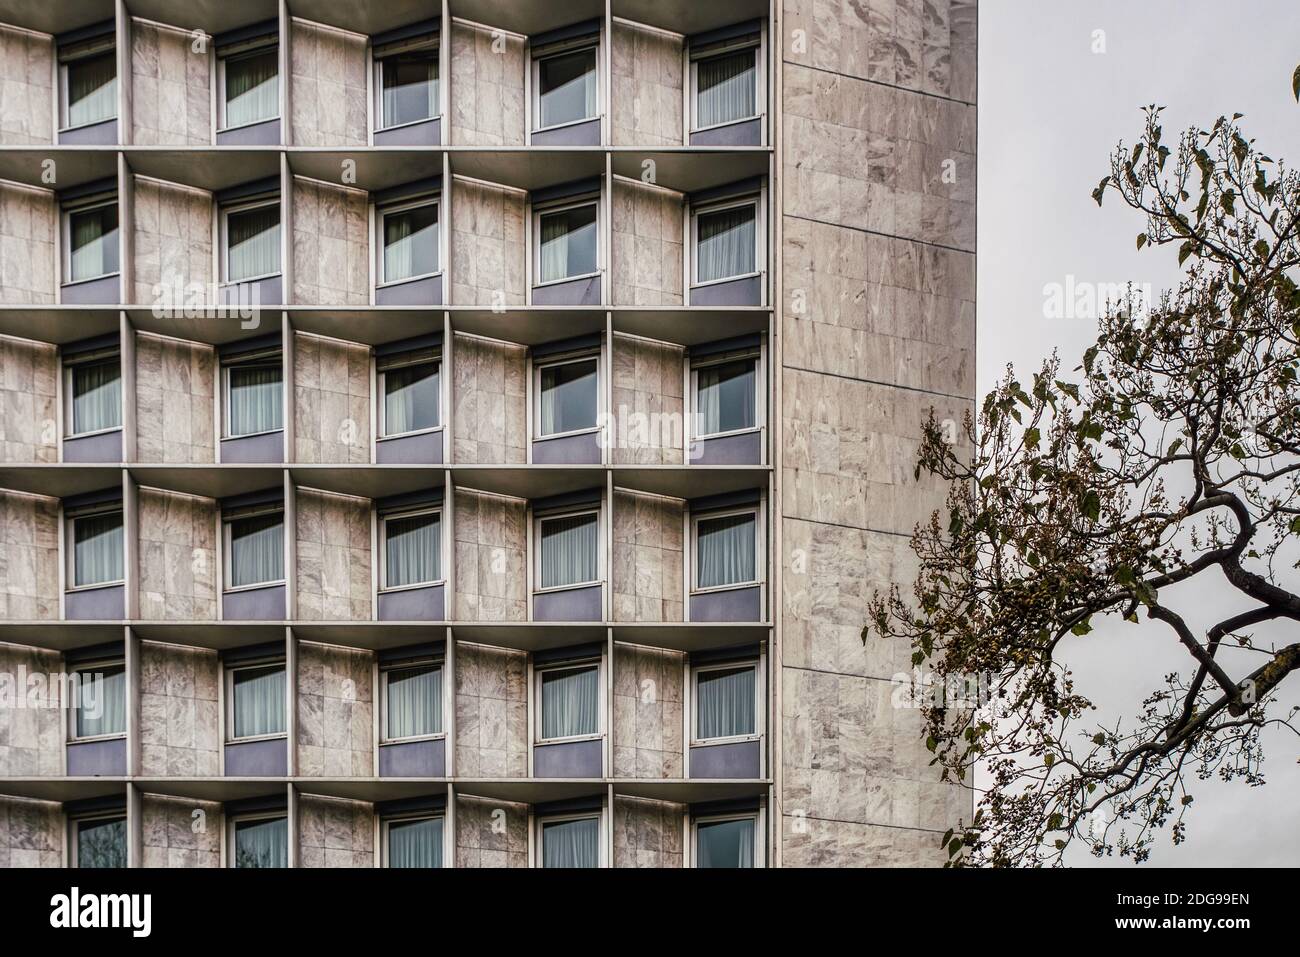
(1098, 738)
(1142, 240)
(1092, 506)
(1032, 437)
(1184, 251)
(1295, 84)
(1081, 628)
(1100, 191)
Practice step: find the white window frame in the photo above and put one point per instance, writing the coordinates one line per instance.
(229, 681)
(550, 362)
(547, 516)
(84, 51)
(419, 45)
(384, 671)
(71, 558)
(581, 665)
(227, 552)
(224, 239)
(551, 51)
(382, 367)
(91, 667)
(752, 42)
(753, 664)
(561, 206)
(434, 200)
(249, 359)
(760, 843)
(760, 378)
(384, 518)
(539, 833)
(65, 224)
(759, 548)
(239, 52)
(439, 816)
(74, 832)
(760, 236)
(89, 358)
(234, 821)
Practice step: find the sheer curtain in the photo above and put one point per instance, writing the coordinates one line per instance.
(568, 401)
(568, 243)
(259, 701)
(568, 88)
(726, 396)
(726, 88)
(571, 843)
(411, 243)
(101, 843)
(92, 89)
(93, 243)
(570, 702)
(726, 550)
(252, 88)
(724, 244)
(725, 844)
(412, 547)
(257, 550)
(725, 703)
(262, 843)
(96, 396)
(253, 243)
(410, 87)
(101, 701)
(568, 550)
(256, 399)
(411, 398)
(97, 549)
(415, 843)
(414, 701)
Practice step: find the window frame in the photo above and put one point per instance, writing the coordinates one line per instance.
(568, 512)
(263, 357)
(223, 231)
(228, 687)
(760, 236)
(384, 517)
(66, 212)
(752, 42)
(93, 667)
(760, 392)
(756, 510)
(233, 822)
(74, 833)
(384, 671)
(69, 366)
(560, 206)
(419, 45)
(227, 550)
(242, 51)
(386, 820)
(754, 665)
(550, 362)
(381, 212)
(583, 664)
(760, 845)
(70, 565)
(539, 833)
(549, 52)
(86, 50)
(387, 364)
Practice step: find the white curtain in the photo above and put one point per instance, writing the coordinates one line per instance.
(412, 395)
(92, 89)
(570, 701)
(97, 549)
(568, 397)
(726, 396)
(262, 843)
(726, 550)
(415, 843)
(410, 88)
(253, 88)
(414, 701)
(412, 549)
(411, 243)
(571, 843)
(568, 243)
(726, 88)
(725, 844)
(101, 701)
(257, 550)
(96, 396)
(253, 243)
(725, 244)
(568, 550)
(256, 400)
(101, 843)
(259, 701)
(724, 703)
(568, 88)
(93, 243)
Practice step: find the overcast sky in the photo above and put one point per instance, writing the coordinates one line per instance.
(1050, 111)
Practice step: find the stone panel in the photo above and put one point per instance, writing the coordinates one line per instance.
(335, 833)
(335, 711)
(331, 381)
(490, 569)
(26, 90)
(647, 107)
(647, 833)
(171, 101)
(175, 389)
(328, 72)
(333, 542)
(27, 250)
(30, 833)
(177, 556)
(176, 836)
(649, 410)
(487, 245)
(647, 564)
(491, 833)
(648, 705)
(331, 245)
(172, 232)
(647, 256)
(490, 420)
(29, 559)
(32, 726)
(487, 87)
(491, 712)
(179, 713)
(29, 375)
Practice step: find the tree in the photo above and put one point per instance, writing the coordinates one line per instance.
(1173, 458)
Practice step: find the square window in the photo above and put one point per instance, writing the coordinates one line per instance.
(726, 702)
(412, 550)
(566, 88)
(569, 702)
(569, 552)
(97, 546)
(414, 843)
(571, 843)
(566, 243)
(726, 396)
(257, 701)
(410, 242)
(567, 396)
(726, 550)
(254, 396)
(726, 88)
(255, 550)
(408, 84)
(99, 700)
(250, 87)
(412, 398)
(725, 843)
(89, 86)
(261, 842)
(95, 389)
(100, 842)
(91, 250)
(412, 702)
(251, 241)
(726, 242)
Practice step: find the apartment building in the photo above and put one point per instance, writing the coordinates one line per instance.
(467, 434)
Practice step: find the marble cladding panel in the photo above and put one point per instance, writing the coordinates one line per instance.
(33, 729)
(30, 833)
(179, 712)
(648, 704)
(174, 395)
(172, 235)
(647, 833)
(491, 560)
(29, 427)
(487, 86)
(180, 832)
(177, 556)
(648, 574)
(26, 88)
(333, 541)
(27, 245)
(648, 422)
(647, 81)
(490, 419)
(29, 559)
(647, 236)
(171, 100)
(333, 832)
(491, 833)
(336, 717)
(488, 245)
(331, 381)
(331, 245)
(328, 96)
(491, 712)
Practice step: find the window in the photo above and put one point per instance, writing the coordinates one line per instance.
(566, 86)
(726, 396)
(88, 74)
(725, 842)
(255, 549)
(567, 396)
(413, 842)
(412, 552)
(99, 842)
(250, 244)
(569, 555)
(726, 702)
(412, 706)
(571, 842)
(408, 86)
(93, 384)
(254, 396)
(261, 842)
(726, 550)
(725, 241)
(256, 695)
(250, 86)
(90, 248)
(410, 242)
(96, 552)
(566, 242)
(99, 700)
(569, 702)
(725, 83)
(412, 391)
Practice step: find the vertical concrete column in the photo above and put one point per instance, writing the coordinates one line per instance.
(449, 544)
(449, 827)
(291, 702)
(134, 827)
(125, 238)
(131, 544)
(449, 665)
(448, 396)
(444, 105)
(291, 815)
(130, 422)
(287, 350)
(290, 547)
(607, 90)
(286, 96)
(122, 49)
(133, 711)
(608, 758)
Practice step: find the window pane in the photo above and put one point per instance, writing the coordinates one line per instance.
(92, 242)
(725, 844)
(569, 702)
(413, 546)
(568, 243)
(411, 243)
(724, 703)
(726, 550)
(415, 843)
(259, 701)
(726, 88)
(725, 244)
(97, 549)
(253, 243)
(252, 87)
(410, 87)
(414, 701)
(568, 88)
(568, 399)
(726, 396)
(568, 550)
(262, 843)
(256, 400)
(411, 398)
(101, 843)
(257, 550)
(96, 396)
(92, 89)
(101, 701)
(571, 843)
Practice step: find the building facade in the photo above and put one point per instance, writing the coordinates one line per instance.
(467, 434)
